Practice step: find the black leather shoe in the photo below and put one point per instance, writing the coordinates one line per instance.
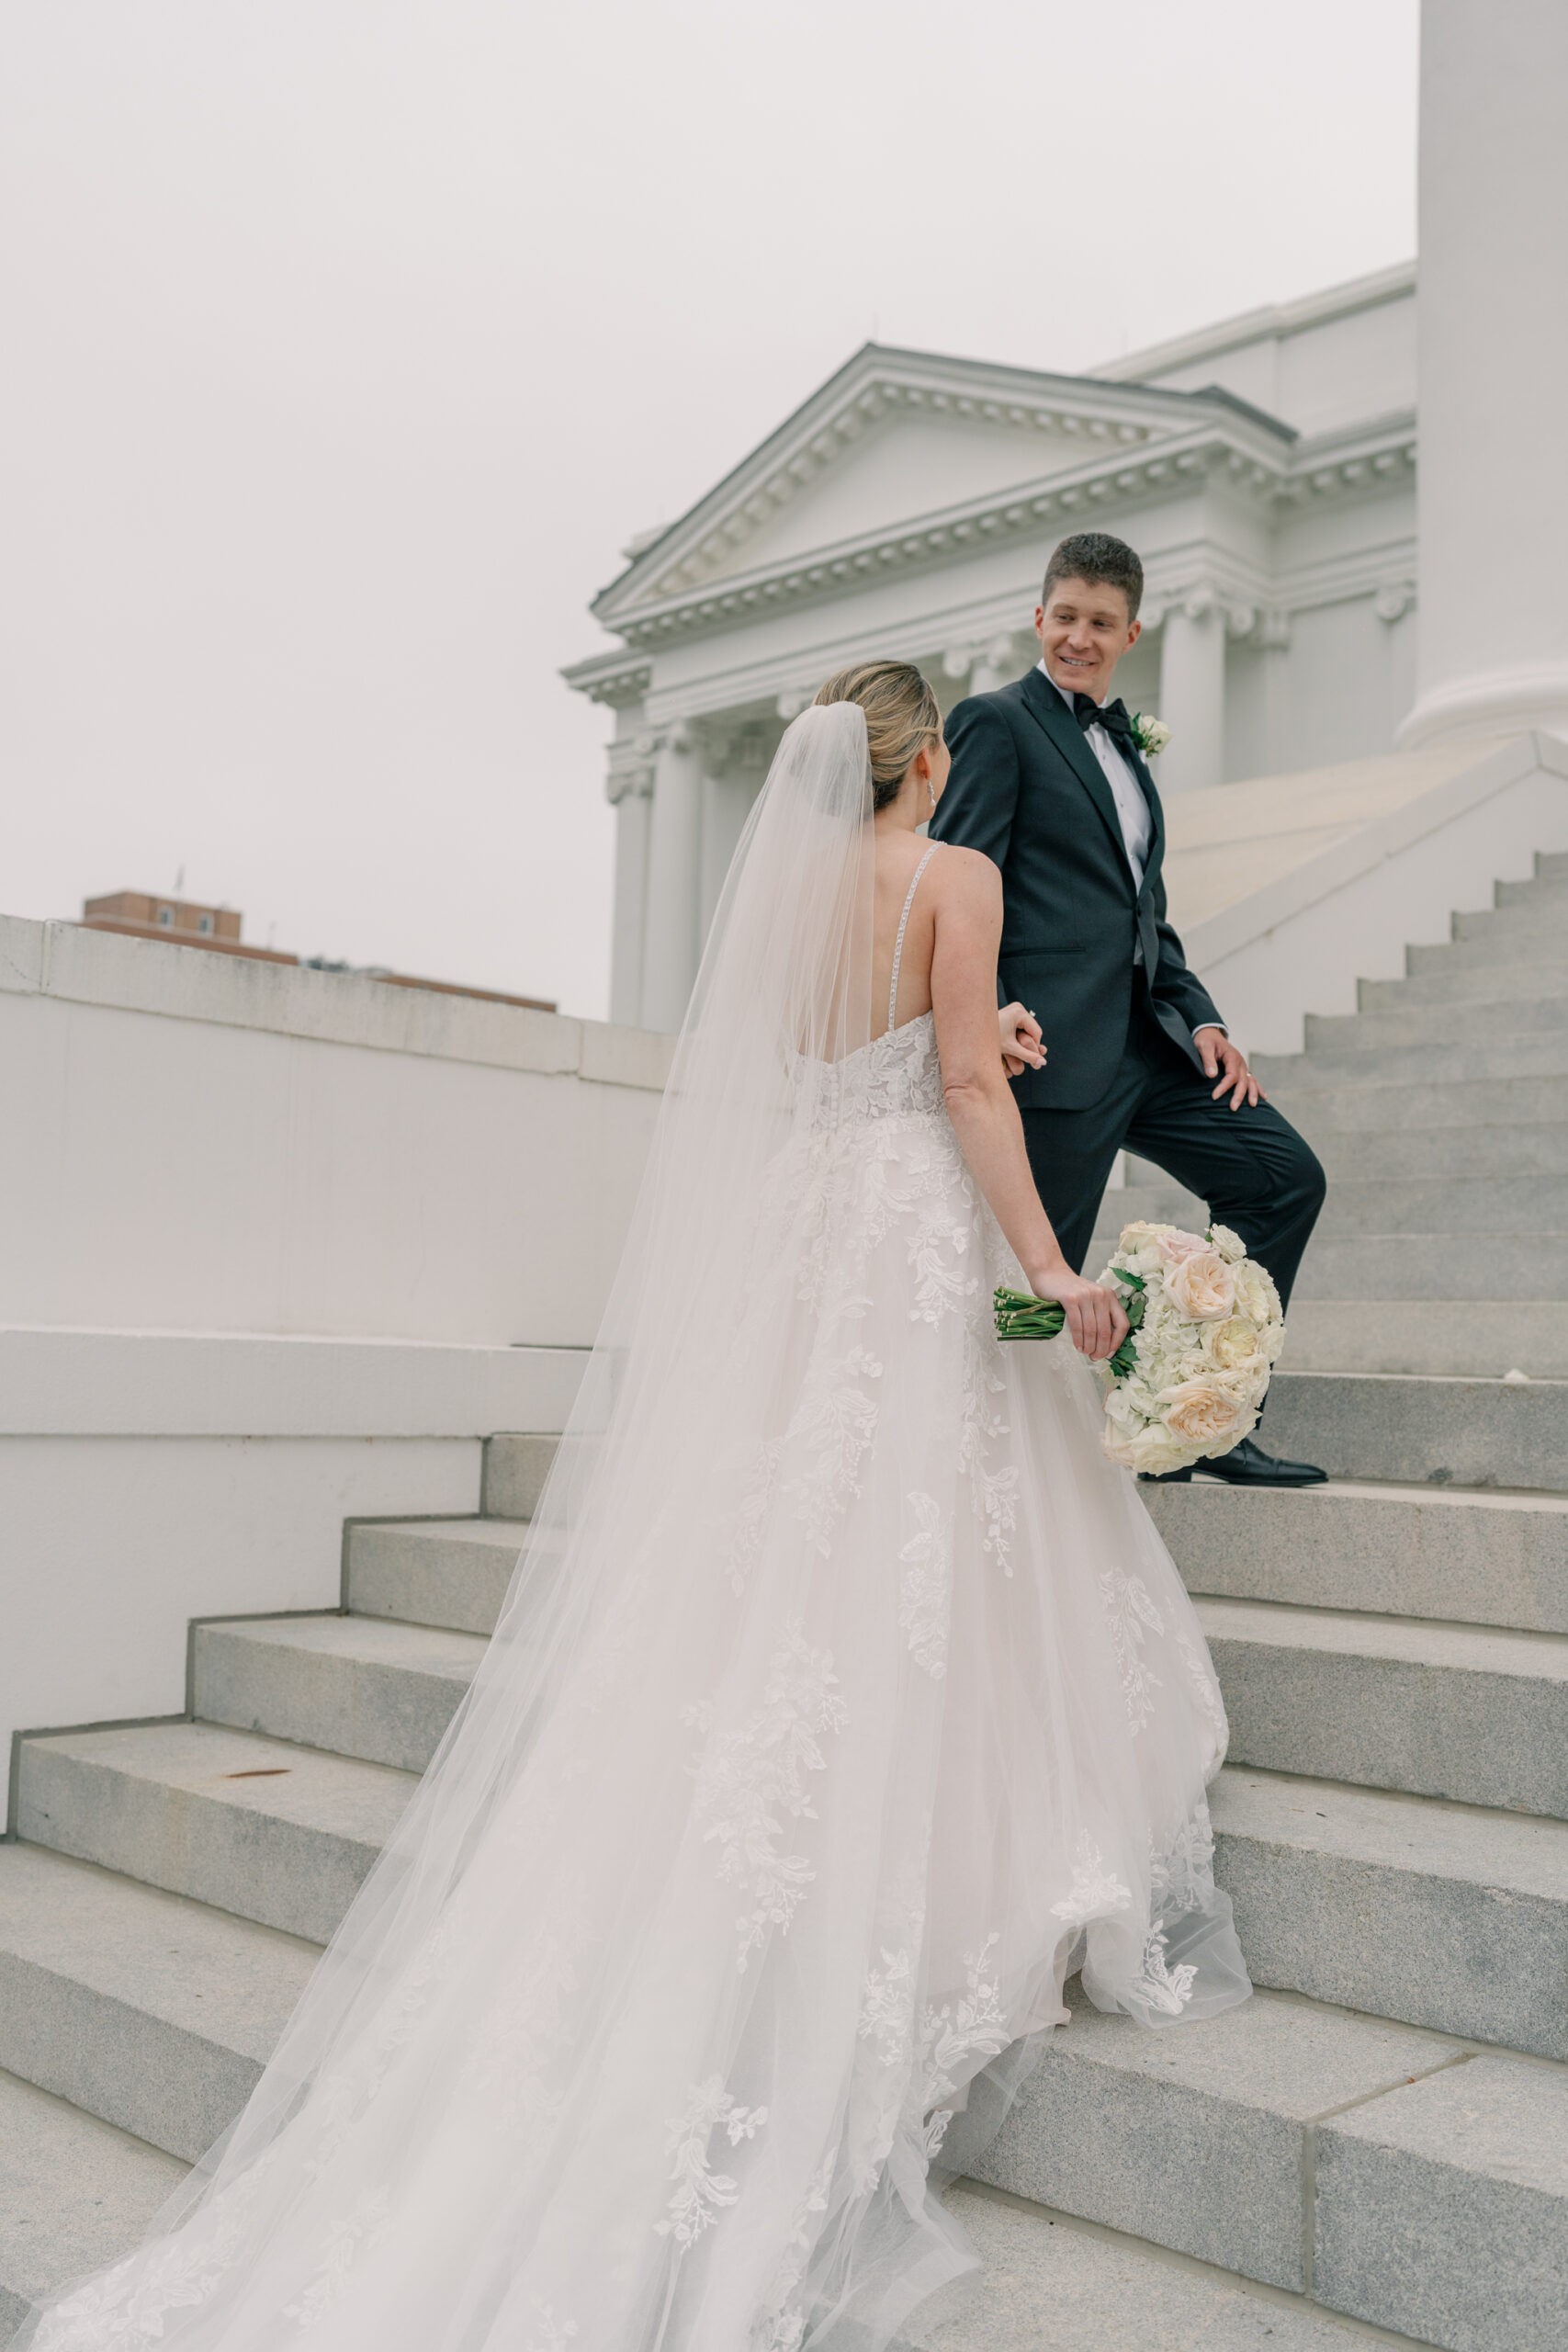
(1246, 1465)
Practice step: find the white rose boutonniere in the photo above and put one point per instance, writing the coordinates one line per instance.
(1151, 735)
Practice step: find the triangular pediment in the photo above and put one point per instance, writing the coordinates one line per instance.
(895, 434)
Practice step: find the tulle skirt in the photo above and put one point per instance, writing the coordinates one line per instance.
(894, 1713)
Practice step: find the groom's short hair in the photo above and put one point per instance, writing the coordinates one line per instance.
(1096, 557)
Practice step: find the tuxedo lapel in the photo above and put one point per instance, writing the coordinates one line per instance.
(1046, 707)
(1155, 858)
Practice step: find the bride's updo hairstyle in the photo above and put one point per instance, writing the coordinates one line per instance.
(901, 719)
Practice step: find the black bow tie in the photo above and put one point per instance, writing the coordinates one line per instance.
(1112, 715)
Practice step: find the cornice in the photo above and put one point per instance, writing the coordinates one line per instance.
(616, 678)
(1275, 321)
(878, 383)
(1239, 454)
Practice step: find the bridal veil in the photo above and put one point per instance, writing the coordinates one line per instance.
(843, 1699)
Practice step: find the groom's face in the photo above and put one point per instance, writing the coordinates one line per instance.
(1084, 632)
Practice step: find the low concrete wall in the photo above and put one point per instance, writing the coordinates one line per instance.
(194, 1142)
(269, 1241)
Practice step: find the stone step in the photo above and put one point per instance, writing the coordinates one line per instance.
(1492, 984)
(152, 2012)
(1399, 2176)
(1441, 2208)
(1347, 1108)
(1513, 1022)
(1377, 1154)
(1446, 1915)
(1414, 1203)
(1469, 1712)
(1465, 1557)
(74, 2195)
(452, 1572)
(1527, 918)
(1425, 1335)
(515, 1468)
(1292, 1076)
(1412, 1430)
(1523, 1264)
(1548, 882)
(358, 1686)
(1051, 2280)
(270, 1831)
(1528, 950)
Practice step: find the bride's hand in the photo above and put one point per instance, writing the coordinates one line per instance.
(1021, 1049)
(1094, 1316)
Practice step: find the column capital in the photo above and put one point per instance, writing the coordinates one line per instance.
(630, 772)
(1392, 599)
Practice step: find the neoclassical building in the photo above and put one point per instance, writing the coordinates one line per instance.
(1265, 468)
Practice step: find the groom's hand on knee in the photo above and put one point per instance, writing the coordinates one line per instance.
(1220, 1056)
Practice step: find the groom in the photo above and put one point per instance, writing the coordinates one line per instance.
(1049, 782)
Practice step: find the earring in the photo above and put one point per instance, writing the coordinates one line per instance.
(930, 796)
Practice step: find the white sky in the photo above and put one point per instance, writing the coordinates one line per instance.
(348, 340)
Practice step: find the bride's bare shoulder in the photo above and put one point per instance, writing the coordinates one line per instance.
(967, 877)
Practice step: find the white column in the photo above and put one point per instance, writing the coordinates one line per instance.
(675, 880)
(1493, 481)
(629, 789)
(1192, 694)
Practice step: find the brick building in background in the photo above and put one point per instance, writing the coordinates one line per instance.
(180, 922)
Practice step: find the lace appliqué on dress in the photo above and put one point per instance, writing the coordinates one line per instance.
(357, 2233)
(994, 1491)
(550, 2334)
(702, 2194)
(925, 1586)
(1162, 1987)
(835, 1423)
(1128, 1609)
(754, 1778)
(1096, 1893)
(953, 2038)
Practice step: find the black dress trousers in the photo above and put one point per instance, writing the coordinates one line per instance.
(1253, 1169)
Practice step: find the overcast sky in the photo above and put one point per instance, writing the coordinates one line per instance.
(348, 341)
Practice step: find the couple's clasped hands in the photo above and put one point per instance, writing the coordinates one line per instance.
(1095, 1320)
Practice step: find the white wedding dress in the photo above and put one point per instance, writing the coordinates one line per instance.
(846, 1699)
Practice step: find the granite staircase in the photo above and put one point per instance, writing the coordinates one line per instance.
(1375, 2147)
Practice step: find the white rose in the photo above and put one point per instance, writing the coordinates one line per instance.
(1231, 1246)
(1139, 1245)
(1234, 1346)
(1153, 733)
(1174, 1245)
(1208, 1413)
(1204, 1287)
(1150, 1448)
(1255, 1295)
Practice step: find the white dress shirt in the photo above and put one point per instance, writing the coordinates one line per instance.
(1137, 825)
(1132, 808)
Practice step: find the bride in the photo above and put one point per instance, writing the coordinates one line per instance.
(844, 1701)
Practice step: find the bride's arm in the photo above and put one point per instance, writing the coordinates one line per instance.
(985, 1116)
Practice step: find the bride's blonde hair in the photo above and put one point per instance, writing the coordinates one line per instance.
(901, 717)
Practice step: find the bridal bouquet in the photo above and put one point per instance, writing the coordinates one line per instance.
(1206, 1327)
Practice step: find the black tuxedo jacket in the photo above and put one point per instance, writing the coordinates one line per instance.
(1027, 789)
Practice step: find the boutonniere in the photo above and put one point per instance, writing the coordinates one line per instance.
(1151, 735)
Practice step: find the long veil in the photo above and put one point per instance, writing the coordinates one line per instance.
(641, 1486)
(843, 1698)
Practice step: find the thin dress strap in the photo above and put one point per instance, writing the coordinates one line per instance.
(903, 927)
